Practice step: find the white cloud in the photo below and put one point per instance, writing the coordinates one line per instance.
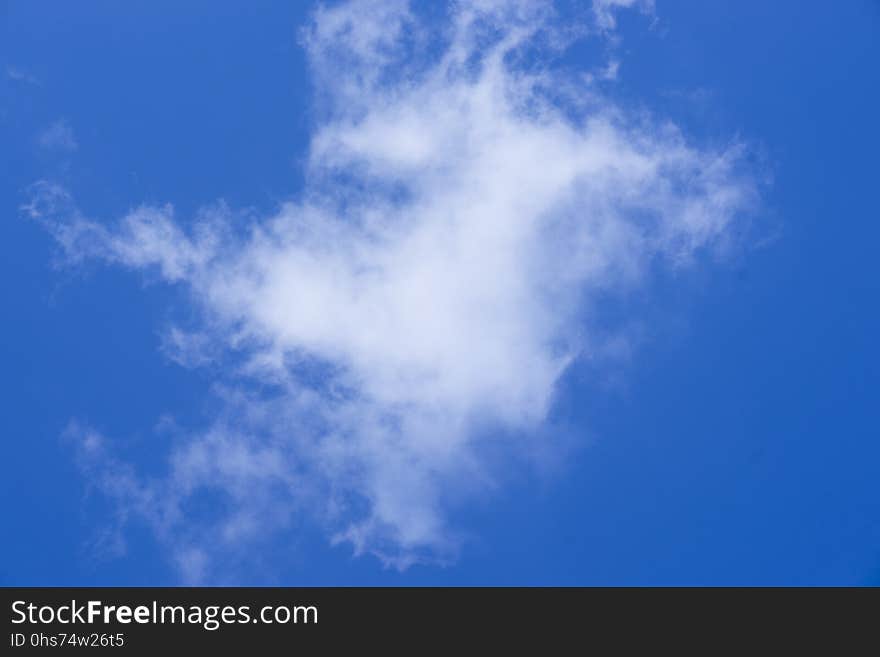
(17, 74)
(605, 10)
(463, 210)
(58, 137)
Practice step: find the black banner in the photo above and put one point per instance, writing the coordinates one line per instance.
(151, 619)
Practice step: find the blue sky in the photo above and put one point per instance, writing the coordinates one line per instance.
(705, 414)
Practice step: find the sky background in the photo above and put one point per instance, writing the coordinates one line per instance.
(738, 444)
